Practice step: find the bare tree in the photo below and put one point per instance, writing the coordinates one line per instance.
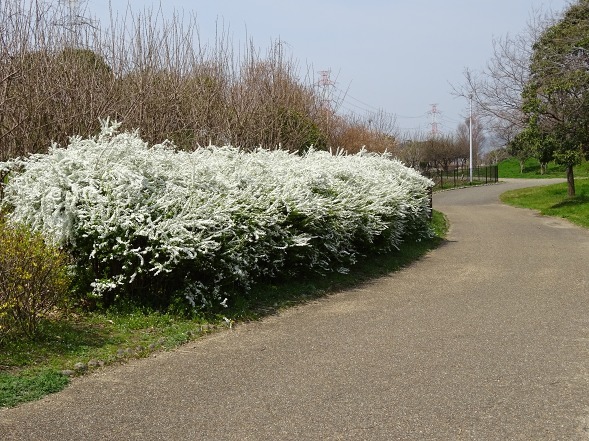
(50, 87)
(497, 90)
(155, 74)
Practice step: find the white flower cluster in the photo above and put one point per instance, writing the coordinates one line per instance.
(213, 220)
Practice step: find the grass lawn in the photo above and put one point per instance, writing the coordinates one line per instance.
(510, 168)
(552, 200)
(31, 369)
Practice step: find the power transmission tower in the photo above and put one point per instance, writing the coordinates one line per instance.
(325, 83)
(434, 113)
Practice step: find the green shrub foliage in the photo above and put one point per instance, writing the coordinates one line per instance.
(33, 280)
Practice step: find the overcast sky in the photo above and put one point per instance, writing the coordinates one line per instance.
(400, 56)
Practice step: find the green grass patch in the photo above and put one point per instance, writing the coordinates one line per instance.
(15, 389)
(552, 200)
(31, 369)
(510, 168)
(26, 366)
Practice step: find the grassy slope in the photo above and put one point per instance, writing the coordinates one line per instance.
(30, 370)
(510, 168)
(552, 200)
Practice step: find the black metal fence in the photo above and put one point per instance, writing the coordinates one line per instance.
(459, 177)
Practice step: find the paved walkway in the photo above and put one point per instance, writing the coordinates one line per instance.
(486, 338)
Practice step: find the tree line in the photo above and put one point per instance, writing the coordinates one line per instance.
(534, 92)
(159, 76)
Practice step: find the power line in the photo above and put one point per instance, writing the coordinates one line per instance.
(412, 117)
(372, 109)
(360, 101)
(439, 121)
(443, 117)
(354, 105)
(368, 108)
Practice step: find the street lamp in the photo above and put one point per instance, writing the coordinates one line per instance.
(470, 135)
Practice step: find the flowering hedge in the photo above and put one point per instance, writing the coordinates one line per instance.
(150, 220)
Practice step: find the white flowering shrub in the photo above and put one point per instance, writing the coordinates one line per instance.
(152, 221)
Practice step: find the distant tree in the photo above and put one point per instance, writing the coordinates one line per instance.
(441, 151)
(521, 148)
(411, 151)
(495, 156)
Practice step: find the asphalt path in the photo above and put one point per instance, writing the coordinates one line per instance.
(485, 338)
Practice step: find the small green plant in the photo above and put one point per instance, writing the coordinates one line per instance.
(33, 280)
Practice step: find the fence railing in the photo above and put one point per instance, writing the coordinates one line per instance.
(459, 177)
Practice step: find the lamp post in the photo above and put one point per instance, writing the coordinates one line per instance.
(470, 135)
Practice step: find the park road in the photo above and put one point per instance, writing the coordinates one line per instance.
(486, 338)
